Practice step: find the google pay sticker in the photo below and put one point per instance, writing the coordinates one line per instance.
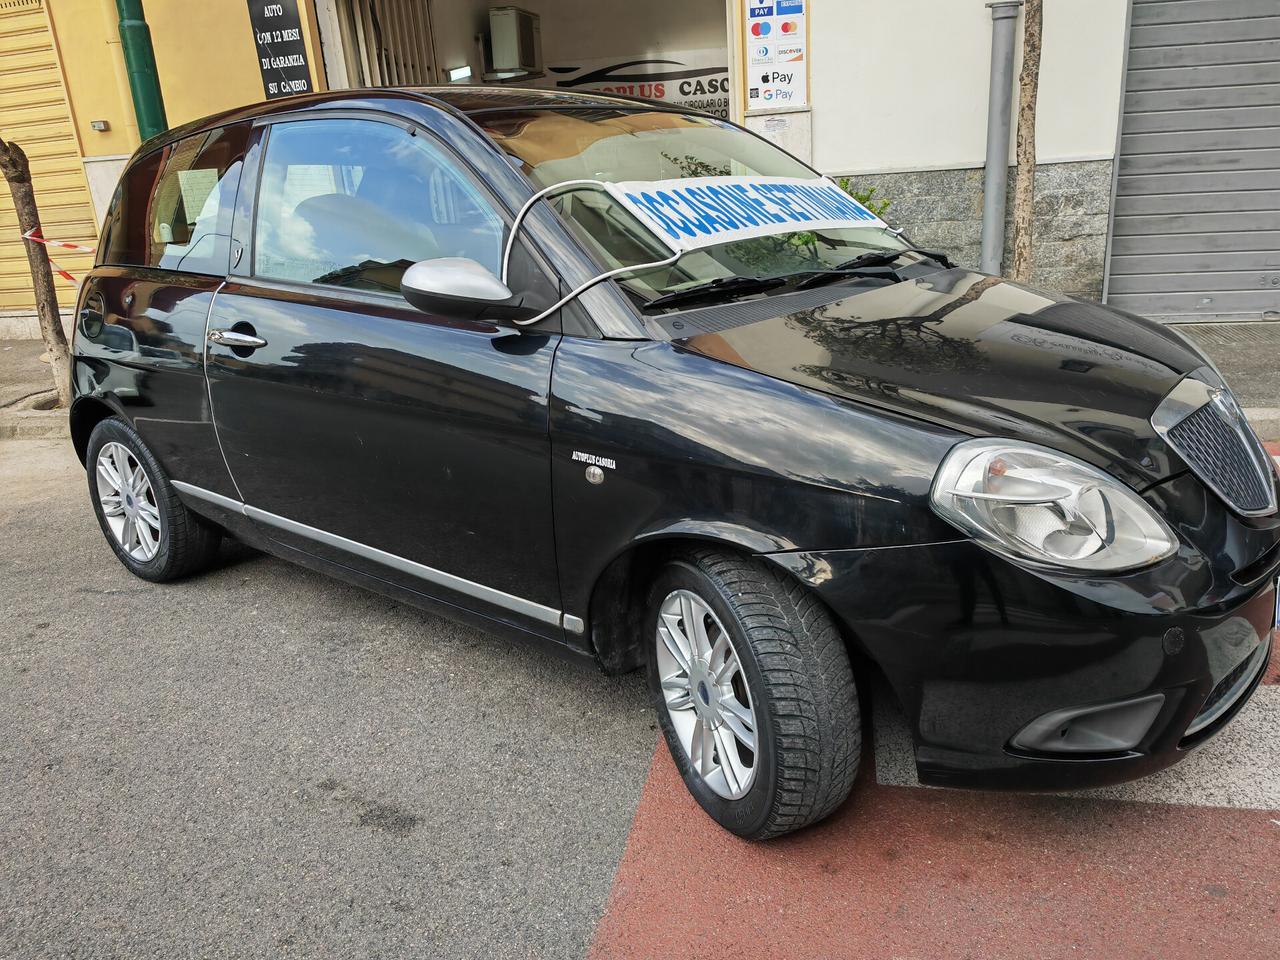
(696, 212)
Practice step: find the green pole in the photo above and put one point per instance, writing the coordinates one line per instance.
(140, 63)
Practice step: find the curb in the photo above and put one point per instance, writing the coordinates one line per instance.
(38, 424)
(34, 425)
(1265, 420)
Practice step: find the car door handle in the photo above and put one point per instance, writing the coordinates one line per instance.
(234, 338)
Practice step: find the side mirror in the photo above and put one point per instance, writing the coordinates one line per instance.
(461, 288)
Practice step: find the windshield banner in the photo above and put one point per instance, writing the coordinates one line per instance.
(696, 212)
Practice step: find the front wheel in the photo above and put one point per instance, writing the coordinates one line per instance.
(753, 688)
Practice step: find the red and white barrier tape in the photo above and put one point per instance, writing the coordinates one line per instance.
(36, 236)
(39, 237)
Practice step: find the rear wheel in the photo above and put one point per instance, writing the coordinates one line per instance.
(149, 528)
(753, 688)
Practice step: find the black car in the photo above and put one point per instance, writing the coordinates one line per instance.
(768, 470)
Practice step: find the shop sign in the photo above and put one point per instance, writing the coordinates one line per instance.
(695, 212)
(282, 53)
(693, 79)
(775, 52)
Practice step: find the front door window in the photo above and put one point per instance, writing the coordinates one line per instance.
(353, 203)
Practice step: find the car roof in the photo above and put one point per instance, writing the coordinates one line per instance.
(463, 100)
(484, 99)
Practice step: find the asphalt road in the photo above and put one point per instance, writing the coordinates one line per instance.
(265, 762)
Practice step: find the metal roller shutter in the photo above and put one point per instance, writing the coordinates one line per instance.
(34, 114)
(1196, 231)
(387, 42)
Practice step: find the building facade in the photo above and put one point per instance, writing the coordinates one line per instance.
(1157, 133)
(65, 98)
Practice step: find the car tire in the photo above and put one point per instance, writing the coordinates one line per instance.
(147, 525)
(793, 751)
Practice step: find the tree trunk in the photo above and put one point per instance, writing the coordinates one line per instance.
(17, 171)
(1024, 182)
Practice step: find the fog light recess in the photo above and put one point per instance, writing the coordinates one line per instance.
(1105, 728)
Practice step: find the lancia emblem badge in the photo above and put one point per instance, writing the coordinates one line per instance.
(1225, 406)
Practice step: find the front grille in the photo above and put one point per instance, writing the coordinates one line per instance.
(1230, 688)
(1220, 456)
(1201, 420)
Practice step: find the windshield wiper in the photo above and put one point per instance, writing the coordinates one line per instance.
(870, 261)
(713, 289)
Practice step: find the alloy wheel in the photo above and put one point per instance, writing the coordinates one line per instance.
(706, 694)
(128, 501)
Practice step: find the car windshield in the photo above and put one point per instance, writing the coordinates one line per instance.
(552, 146)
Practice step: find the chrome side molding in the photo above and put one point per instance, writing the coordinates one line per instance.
(217, 499)
(527, 608)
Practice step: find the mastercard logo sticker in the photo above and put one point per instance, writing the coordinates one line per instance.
(761, 29)
(790, 26)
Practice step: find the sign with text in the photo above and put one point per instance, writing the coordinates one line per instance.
(697, 212)
(696, 79)
(282, 53)
(775, 55)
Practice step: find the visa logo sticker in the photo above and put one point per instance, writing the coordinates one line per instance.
(696, 212)
(763, 10)
(790, 7)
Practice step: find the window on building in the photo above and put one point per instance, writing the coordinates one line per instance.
(353, 203)
(173, 207)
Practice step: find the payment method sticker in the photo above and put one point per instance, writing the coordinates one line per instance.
(776, 38)
(696, 212)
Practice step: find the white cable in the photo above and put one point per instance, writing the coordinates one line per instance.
(545, 191)
(593, 281)
(566, 185)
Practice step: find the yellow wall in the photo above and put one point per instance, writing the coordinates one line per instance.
(61, 68)
(34, 114)
(204, 54)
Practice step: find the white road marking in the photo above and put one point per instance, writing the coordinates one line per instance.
(1240, 767)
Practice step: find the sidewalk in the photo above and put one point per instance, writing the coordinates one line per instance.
(1245, 352)
(1248, 354)
(21, 372)
(26, 385)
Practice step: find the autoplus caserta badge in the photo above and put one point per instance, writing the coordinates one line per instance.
(696, 212)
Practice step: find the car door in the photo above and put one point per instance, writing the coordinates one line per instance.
(141, 326)
(407, 447)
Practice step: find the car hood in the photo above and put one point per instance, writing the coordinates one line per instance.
(982, 355)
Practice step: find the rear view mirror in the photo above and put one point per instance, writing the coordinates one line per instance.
(461, 288)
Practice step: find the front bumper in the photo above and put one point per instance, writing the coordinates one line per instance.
(977, 649)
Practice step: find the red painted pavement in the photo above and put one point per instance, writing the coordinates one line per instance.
(919, 874)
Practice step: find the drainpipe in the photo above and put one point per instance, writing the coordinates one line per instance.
(140, 63)
(115, 54)
(995, 185)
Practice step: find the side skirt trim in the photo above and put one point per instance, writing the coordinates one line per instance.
(478, 591)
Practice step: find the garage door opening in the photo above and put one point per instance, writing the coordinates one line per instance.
(671, 51)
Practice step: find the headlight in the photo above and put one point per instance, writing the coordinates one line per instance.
(1037, 505)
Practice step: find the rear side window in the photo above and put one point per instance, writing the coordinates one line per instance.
(353, 202)
(173, 208)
